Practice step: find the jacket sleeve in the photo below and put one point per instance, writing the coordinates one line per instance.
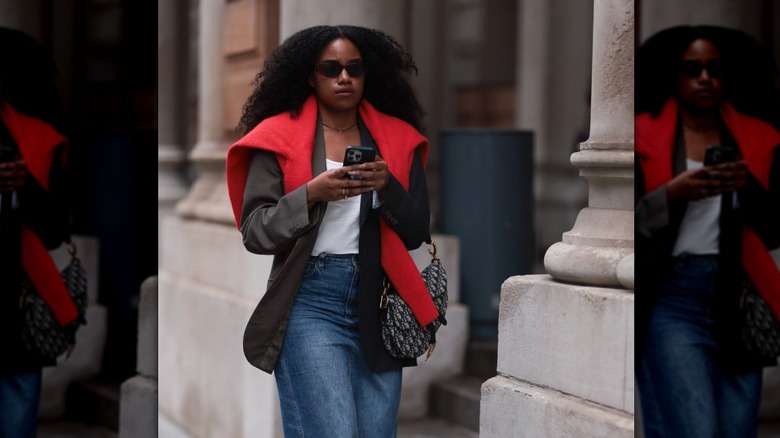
(271, 221)
(760, 208)
(408, 212)
(652, 209)
(47, 212)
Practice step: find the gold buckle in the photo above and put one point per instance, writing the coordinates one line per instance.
(384, 300)
(431, 347)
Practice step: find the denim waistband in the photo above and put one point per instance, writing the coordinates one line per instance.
(692, 274)
(695, 259)
(335, 259)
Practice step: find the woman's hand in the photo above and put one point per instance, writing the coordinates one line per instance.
(375, 172)
(13, 175)
(334, 185)
(732, 175)
(708, 181)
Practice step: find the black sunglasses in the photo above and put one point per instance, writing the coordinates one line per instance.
(332, 69)
(693, 69)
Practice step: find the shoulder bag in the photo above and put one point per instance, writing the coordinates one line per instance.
(760, 328)
(42, 334)
(403, 336)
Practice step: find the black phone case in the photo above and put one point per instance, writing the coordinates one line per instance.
(358, 155)
(716, 154)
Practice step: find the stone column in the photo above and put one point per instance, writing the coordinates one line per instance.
(532, 84)
(565, 351)
(553, 83)
(599, 249)
(427, 26)
(389, 17)
(172, 71)
(208, 200)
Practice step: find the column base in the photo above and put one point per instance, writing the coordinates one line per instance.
(591, 252)
(593, 265)
(578, 340)
(511, 407)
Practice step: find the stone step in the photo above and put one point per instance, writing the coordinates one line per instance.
(457, 401)
(433, 428)
(481, 359)
(73, 429)
(94, 402)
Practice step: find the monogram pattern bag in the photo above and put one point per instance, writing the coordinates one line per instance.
(403, 336)
(760, 327)
(42, 334)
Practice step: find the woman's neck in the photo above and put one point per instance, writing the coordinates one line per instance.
(338, 120)
(700, 121)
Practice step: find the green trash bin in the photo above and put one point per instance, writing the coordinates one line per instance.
(487, 201)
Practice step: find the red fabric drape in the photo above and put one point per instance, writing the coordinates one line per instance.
(37, 141)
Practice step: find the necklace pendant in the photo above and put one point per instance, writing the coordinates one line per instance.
(341, 131)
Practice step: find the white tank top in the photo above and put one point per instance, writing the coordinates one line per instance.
(700, 230)
(340, 229)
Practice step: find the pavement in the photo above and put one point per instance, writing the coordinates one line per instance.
(424, 428)
(168, 429)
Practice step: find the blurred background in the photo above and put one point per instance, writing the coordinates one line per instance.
(104, 51)
(506, 85)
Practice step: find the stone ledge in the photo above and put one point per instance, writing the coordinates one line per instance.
(227, 266)
(218, 393)
(146, 362)
(576, 339)
(513, 408)
(457, 401)
(138, 409)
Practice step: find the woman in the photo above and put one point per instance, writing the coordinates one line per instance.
(703, 232)
(33, 219)
(333, 238)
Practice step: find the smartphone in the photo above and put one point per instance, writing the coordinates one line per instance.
(717, 154)
(358, 155)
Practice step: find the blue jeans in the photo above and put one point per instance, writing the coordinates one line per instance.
(325, 387)
(683, 389)
(20, 395)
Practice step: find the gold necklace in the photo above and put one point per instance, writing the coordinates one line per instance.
(700, 130)
(340, 130)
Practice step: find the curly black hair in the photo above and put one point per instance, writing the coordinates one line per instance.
(27, 72)
(750, 74)
(283, 84)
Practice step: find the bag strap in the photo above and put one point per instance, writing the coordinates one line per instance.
(432, 252)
